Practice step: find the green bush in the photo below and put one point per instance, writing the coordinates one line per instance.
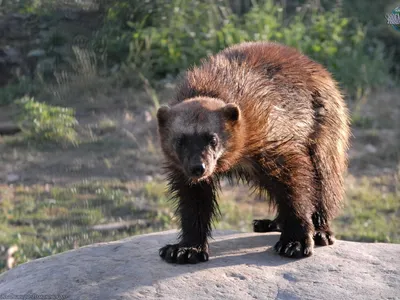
(162, 37)
(43, 122)
(165, 37)
(340, 44)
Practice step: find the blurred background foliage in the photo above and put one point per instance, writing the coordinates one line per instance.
(164, 37)
(80, 82)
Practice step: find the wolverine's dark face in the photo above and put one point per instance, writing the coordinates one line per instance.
(198, 153)
(193, 134)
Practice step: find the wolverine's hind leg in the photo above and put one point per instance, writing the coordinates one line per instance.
(291, 188)
(325, 206)
(323, 235)
(328, 196)
(328, 153)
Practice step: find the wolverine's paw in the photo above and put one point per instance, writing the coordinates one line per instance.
(295, 248)
(182, 255)
(265, 226)
(324, 238)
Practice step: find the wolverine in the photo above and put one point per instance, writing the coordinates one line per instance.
(264, 114)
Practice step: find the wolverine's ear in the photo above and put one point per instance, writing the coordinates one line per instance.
(162, 114)
(231, 112)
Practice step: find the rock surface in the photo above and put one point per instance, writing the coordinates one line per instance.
(242, 266)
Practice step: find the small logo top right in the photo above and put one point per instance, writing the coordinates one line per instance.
(394, 18)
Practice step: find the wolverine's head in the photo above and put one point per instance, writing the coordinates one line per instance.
(198, 134)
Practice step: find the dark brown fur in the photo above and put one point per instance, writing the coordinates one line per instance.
(290, 139)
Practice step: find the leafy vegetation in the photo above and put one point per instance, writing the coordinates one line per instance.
(173, 35)
(43, 122)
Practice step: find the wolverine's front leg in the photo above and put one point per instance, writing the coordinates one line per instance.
(196, 207)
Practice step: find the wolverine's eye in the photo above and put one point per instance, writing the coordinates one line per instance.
(213, 141)
(179, 142)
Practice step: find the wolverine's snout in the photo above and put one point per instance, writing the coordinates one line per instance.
(196, 167)
(197, 170)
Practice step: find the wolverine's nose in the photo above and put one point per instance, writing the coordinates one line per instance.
(198, 170)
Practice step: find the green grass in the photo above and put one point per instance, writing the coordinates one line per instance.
(43, 220)
(371, 214)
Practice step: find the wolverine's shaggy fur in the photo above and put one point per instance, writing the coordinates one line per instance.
(268, 115)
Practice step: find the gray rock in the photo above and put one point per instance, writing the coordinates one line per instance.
(371, 148)
(242, 266)
(10, 55)
(21, 16)
(44, 34)
(115, 68)
(36, 53)
(11, 178)
(43, 25)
